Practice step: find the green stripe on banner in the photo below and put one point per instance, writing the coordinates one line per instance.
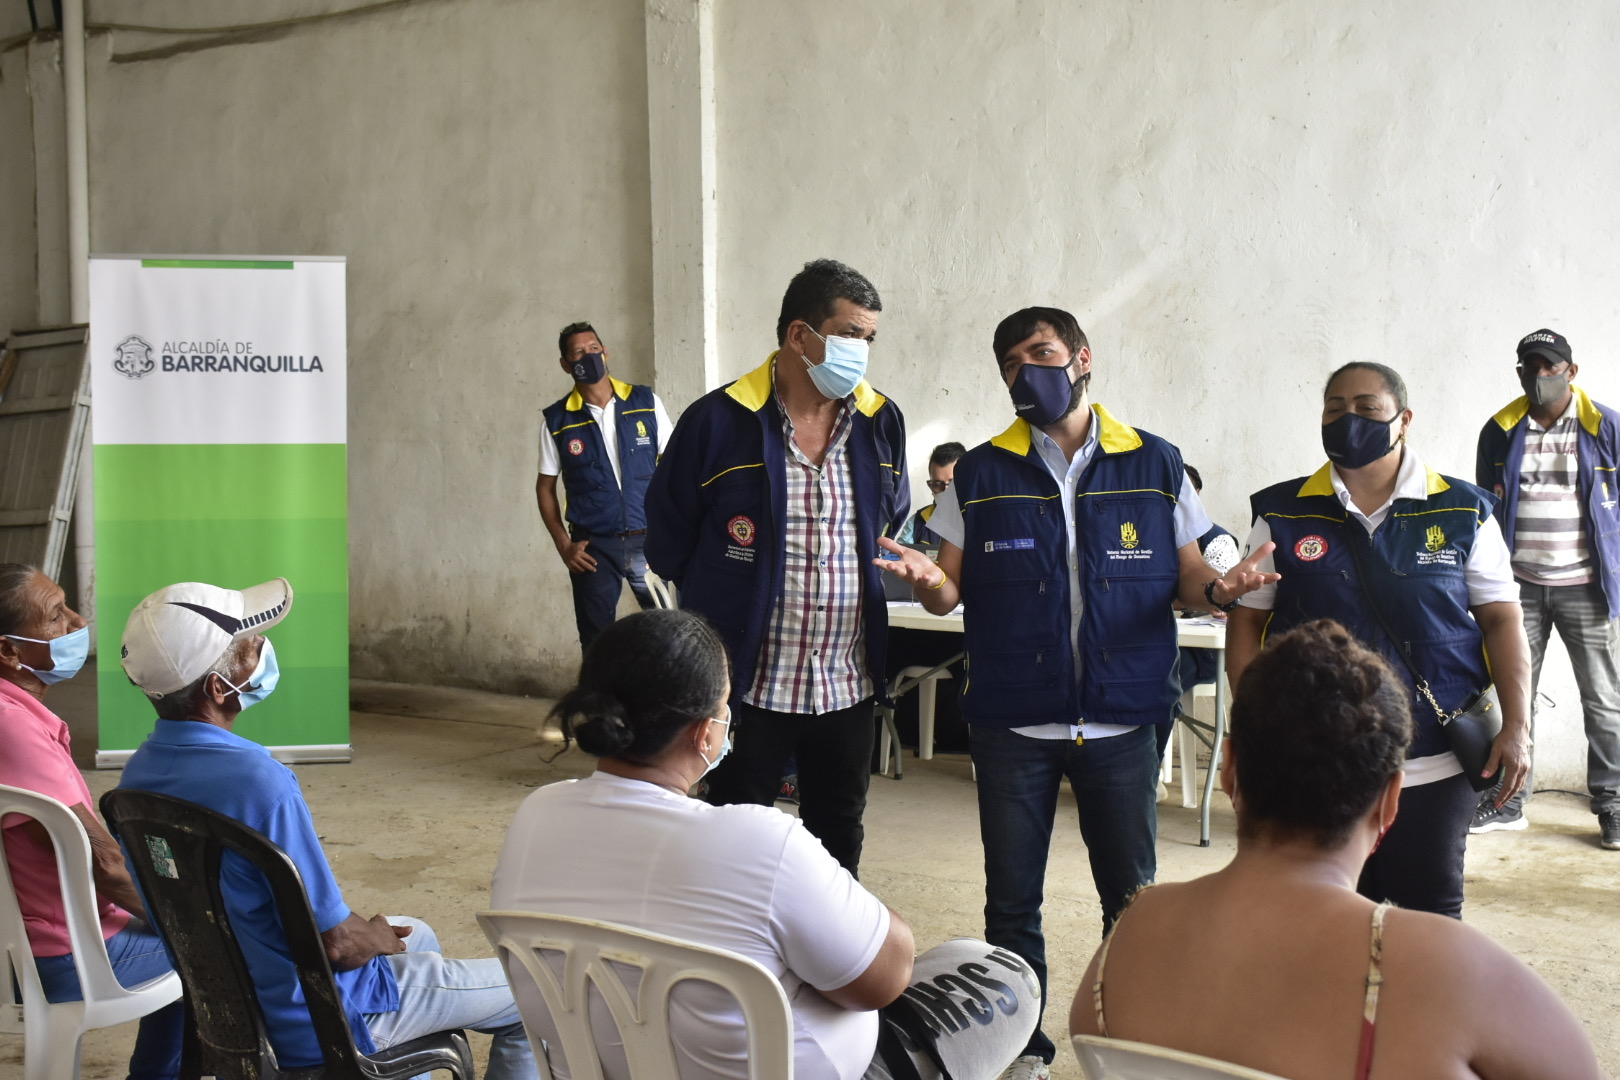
(216, 264)
(232, 516)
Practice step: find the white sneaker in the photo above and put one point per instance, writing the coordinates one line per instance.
(1028, 1067)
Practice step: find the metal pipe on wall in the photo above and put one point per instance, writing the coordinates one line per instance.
(78, 225)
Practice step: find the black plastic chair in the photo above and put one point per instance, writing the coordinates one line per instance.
(176, 848)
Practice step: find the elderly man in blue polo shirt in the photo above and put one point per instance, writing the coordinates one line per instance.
(200, 655)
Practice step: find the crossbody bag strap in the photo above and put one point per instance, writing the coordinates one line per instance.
(1359, 537)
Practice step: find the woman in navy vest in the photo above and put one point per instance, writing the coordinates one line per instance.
(1437, 570)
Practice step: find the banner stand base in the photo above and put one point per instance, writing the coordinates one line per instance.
(334, 753)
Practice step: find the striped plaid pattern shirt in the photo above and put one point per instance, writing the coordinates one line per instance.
(1549, 534)
(812, 659)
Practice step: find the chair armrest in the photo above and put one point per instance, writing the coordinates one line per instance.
(442, 1050)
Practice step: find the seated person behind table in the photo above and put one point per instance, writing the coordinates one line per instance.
(1220, 550)
(627, 845)
(941, 470)
(200, 655)
(43, 642)
(1296, 974)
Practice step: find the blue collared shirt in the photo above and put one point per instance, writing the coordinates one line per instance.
(212, 767)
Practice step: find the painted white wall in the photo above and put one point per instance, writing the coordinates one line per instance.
(1234, 199)
(483, 167)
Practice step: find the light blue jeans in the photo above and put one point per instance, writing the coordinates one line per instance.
(436, 994)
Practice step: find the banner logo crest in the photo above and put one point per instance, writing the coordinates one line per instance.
(134, 359)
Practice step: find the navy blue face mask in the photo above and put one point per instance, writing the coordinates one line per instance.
(1044, 395)
(590, 368)
(1353, 441)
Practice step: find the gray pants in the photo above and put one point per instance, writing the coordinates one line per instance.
(1580, 614)
(979, 1004)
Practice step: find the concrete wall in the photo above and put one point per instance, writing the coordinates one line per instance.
(483, 167)
(1234, 198)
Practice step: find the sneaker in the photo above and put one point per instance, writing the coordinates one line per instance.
(1030, 1067)
(1488, 817)
(789, 791)
(1609, 826)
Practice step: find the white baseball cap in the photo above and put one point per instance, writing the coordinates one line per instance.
(175, 635)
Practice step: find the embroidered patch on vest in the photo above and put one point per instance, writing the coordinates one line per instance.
(1127, 535)
(1310, 548)
(576, 446)
(741, 529)
(1435, 538)
(1023, 544)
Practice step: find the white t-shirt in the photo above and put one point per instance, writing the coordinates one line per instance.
(551, 461)
(1190, 519)
(1486, 573)
(745, 878)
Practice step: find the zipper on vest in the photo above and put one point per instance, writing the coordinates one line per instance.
(1042, 591)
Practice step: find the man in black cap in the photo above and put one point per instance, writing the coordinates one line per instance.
(1551, 457)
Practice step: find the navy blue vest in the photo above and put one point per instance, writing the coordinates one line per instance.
(1015, 582)
(1415, 564)
(597, 503)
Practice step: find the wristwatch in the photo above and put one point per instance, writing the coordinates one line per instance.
(1209, 595)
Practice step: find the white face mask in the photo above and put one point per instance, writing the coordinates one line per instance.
(725, 748)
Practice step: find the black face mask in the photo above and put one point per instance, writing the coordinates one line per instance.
(1353, 441)
(1544, 390)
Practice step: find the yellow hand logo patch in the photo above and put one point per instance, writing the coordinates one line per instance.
(1127, 535)
(1436, 538)
(641, 428)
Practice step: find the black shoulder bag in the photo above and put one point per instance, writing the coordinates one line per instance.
(1470, 730)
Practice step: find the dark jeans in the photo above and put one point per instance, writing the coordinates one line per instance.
(834, 753)
(1114, 782)
(1580, 614)
(1419, 864)
(137, 956)
(596, 594)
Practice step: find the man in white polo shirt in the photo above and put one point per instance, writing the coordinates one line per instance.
(1550, 458)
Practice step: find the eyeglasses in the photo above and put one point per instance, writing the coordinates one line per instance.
(937, 486)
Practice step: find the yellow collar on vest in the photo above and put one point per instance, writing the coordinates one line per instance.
(575, 402)
(753, 390)
(1519, 408)
(1320, 482)
(1113, 436)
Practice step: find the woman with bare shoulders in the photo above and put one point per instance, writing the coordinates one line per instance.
(1275, 962)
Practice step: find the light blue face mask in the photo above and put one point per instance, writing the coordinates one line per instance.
(68, 654)
(725, 748)
(262, 682)
(843, 367)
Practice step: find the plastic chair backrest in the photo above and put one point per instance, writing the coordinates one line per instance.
(177, 848)
(1119, 1059)
(105, 1000)
(663, 592)
(589, 949)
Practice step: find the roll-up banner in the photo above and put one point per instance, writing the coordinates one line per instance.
(219, 415)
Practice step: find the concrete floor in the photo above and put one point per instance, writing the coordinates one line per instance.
(413, 826)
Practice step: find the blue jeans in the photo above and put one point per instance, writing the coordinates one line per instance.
(596, 594)
(436, 994)
(1114, 782)
(137, 956)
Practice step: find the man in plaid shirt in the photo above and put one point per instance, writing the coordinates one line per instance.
(765, 510)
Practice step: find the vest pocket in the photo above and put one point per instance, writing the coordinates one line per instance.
(1131, 678)
(1008, 684)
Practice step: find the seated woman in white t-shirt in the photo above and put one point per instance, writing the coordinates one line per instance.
(627, 845)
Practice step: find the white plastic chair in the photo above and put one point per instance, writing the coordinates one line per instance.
(52, 1033)
(663, 592)
(1119, 1059)
(1184, 744)
(590, 949)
